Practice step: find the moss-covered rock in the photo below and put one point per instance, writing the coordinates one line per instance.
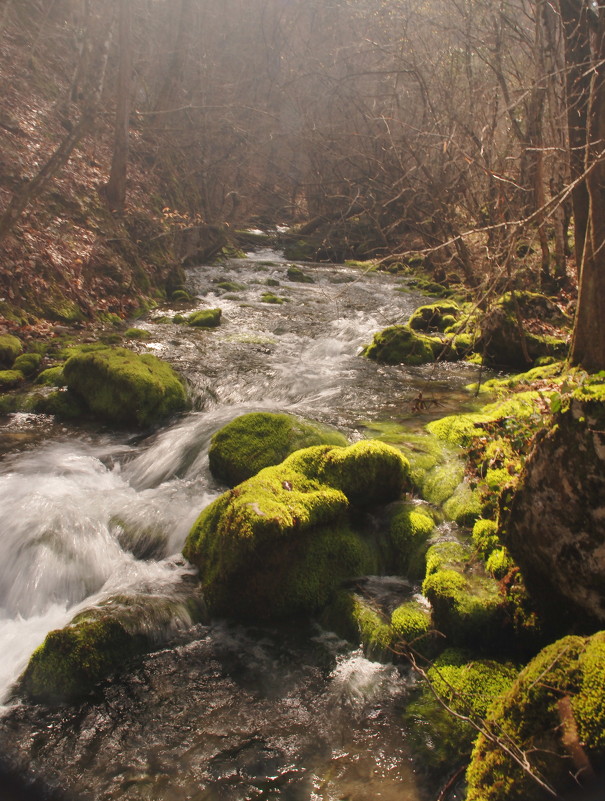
(281, 543)
(28, 364)
(465, 505)
(439, 739)
(269, 297)
(554, 522)
(410, 528)
(505, 340)
(412, 628)
(555, 714)
(181, 296)
(230, 286)
(73, 660)
(369, 473)
(374, 630)
(10, 348)
(206, 318)
(137, 333)
(461, 429)
(51, 377)
(261, 439)
(295, 274)
(125, 387)
(9, 379)
(400, 345)
(62, 404)
(467, 605)
(434, 316)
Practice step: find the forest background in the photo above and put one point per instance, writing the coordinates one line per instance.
(465, 137)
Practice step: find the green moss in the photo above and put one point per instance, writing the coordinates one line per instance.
(230, 286)
(485, 537)
(400, 345)
(368, 472)
(125, 387)
(499, 563)
(296, 274)
(449, 554)
(28, 364)
(269, 297)
(63, 404)
(260, 439)
(435, 316)
(9, 379)
(137, 333)
(181, 296)
(530, 714)
(272, 282)
(63, 310)
(442, 481)
(412, 627)
(409, 531)
(467, 606)
(465, 505)
(10, 348)
(440, 740)
(460, 429)
(424, 451)
(111, 338)
(279, 543)
(207, 318)
(9, 403)
(375, 632)
(71, 661)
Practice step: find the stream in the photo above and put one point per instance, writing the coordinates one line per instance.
(218, 712)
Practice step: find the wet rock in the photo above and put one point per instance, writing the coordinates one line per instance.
(435, 316)
(555, 523)
(206, 318)
(400, 345)
(10, 348)
(125, 387)
(261, 439)
(553, 713)
(504, 338)
(281, 543)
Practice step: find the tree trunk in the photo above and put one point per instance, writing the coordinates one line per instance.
(116, 186)
(588, 345)
(574, 15)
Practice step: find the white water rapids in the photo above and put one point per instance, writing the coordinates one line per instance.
(91, 515)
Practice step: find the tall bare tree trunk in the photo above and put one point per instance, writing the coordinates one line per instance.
(574, 15)
(588, 345)
(116, 186)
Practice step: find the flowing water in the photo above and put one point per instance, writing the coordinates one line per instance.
(218, 711)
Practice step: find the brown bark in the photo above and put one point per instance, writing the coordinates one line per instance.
(588, 343)
(574, 16)
(116, 186)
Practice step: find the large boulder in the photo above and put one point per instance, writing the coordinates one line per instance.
(506, 338)
(399, 344)
(553, 718)
(125, 387)
(281, 543)
(10, 348)
(99, 641)
(260, 439)
(554, 524)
